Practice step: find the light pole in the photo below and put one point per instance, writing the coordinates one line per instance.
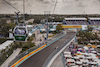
(17, 13)
(47, 14)
(30, 13)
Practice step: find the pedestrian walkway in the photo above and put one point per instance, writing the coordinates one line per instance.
(57, 62)
(11, 57)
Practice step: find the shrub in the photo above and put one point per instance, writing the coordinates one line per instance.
(2, 40)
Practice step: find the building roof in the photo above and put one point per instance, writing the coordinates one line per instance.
(70, 60)
(81, 18)
(94, 18)
(5, 44)
(75, 19)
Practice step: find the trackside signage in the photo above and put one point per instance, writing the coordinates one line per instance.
(71, 26)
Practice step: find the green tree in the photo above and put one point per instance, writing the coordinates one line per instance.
(59, 28)
(5, 27)
(89, 29)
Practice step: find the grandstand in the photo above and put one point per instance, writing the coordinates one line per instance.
(81, 21)
(75, 21)
(95, 21)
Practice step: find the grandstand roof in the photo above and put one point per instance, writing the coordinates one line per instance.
(94, 18)
(5, 44)
(75, 18)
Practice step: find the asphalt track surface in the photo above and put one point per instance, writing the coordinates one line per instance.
(38, 59)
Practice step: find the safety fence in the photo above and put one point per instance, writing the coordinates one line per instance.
(63, 59)
(56, 51)
(28, 53)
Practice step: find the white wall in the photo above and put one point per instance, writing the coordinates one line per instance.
(84, 27)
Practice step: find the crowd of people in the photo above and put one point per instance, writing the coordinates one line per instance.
(74, 22)
(94, 22)
(81, 56)
(82, 22)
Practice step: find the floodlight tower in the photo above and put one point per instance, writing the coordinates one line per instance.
(30, 13)
(47, 14)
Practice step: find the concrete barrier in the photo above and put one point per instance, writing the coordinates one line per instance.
(55, 56)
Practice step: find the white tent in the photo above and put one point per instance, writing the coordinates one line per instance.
(70, 60)
(68, 53)
(78, 52)
(75, 66)
(81, 56)
(91, 54)
(91, 48)
(82, 60)
(76, 57)
(94, 58)
(98, 53)
(94, 52)
(85, 47)
(89, 44)
(78, 62)
(86, 54)
(80, 49)
(88, 57)
(93, 62)
(98, 61)
(67, 56)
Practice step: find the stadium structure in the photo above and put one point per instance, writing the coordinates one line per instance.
(81, 21)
